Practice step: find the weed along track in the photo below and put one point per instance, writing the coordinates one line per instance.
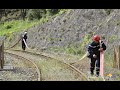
(23, 69)
(52, 69)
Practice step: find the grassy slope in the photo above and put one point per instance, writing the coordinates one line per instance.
(16, 25)
(20, 25)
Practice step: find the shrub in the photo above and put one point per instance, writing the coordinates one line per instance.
(36, 13)
(108, 11)
(52, 11)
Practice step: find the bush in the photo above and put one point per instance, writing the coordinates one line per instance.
(108, 11)
(52, 11)
(112, 38)
(36, 14)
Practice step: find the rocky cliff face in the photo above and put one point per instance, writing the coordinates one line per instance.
(69, 28)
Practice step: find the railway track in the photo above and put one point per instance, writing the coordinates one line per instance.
(23, 68)
(51, 68)
(82, 66)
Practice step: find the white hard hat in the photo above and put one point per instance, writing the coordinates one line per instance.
(25, 32)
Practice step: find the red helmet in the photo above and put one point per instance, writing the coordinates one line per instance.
(96, 38)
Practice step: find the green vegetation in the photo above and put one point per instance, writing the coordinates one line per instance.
(74, 49)
(15, 26)
(80, 48)
(108, 11)
(108, 59)
(33, 18)
(112, 38)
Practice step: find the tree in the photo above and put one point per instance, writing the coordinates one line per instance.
(52, 11)
(36, 14)
(23, 13)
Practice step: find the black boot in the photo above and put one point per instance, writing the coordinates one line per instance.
(97, 71)
(97, 74)
(92, 73)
